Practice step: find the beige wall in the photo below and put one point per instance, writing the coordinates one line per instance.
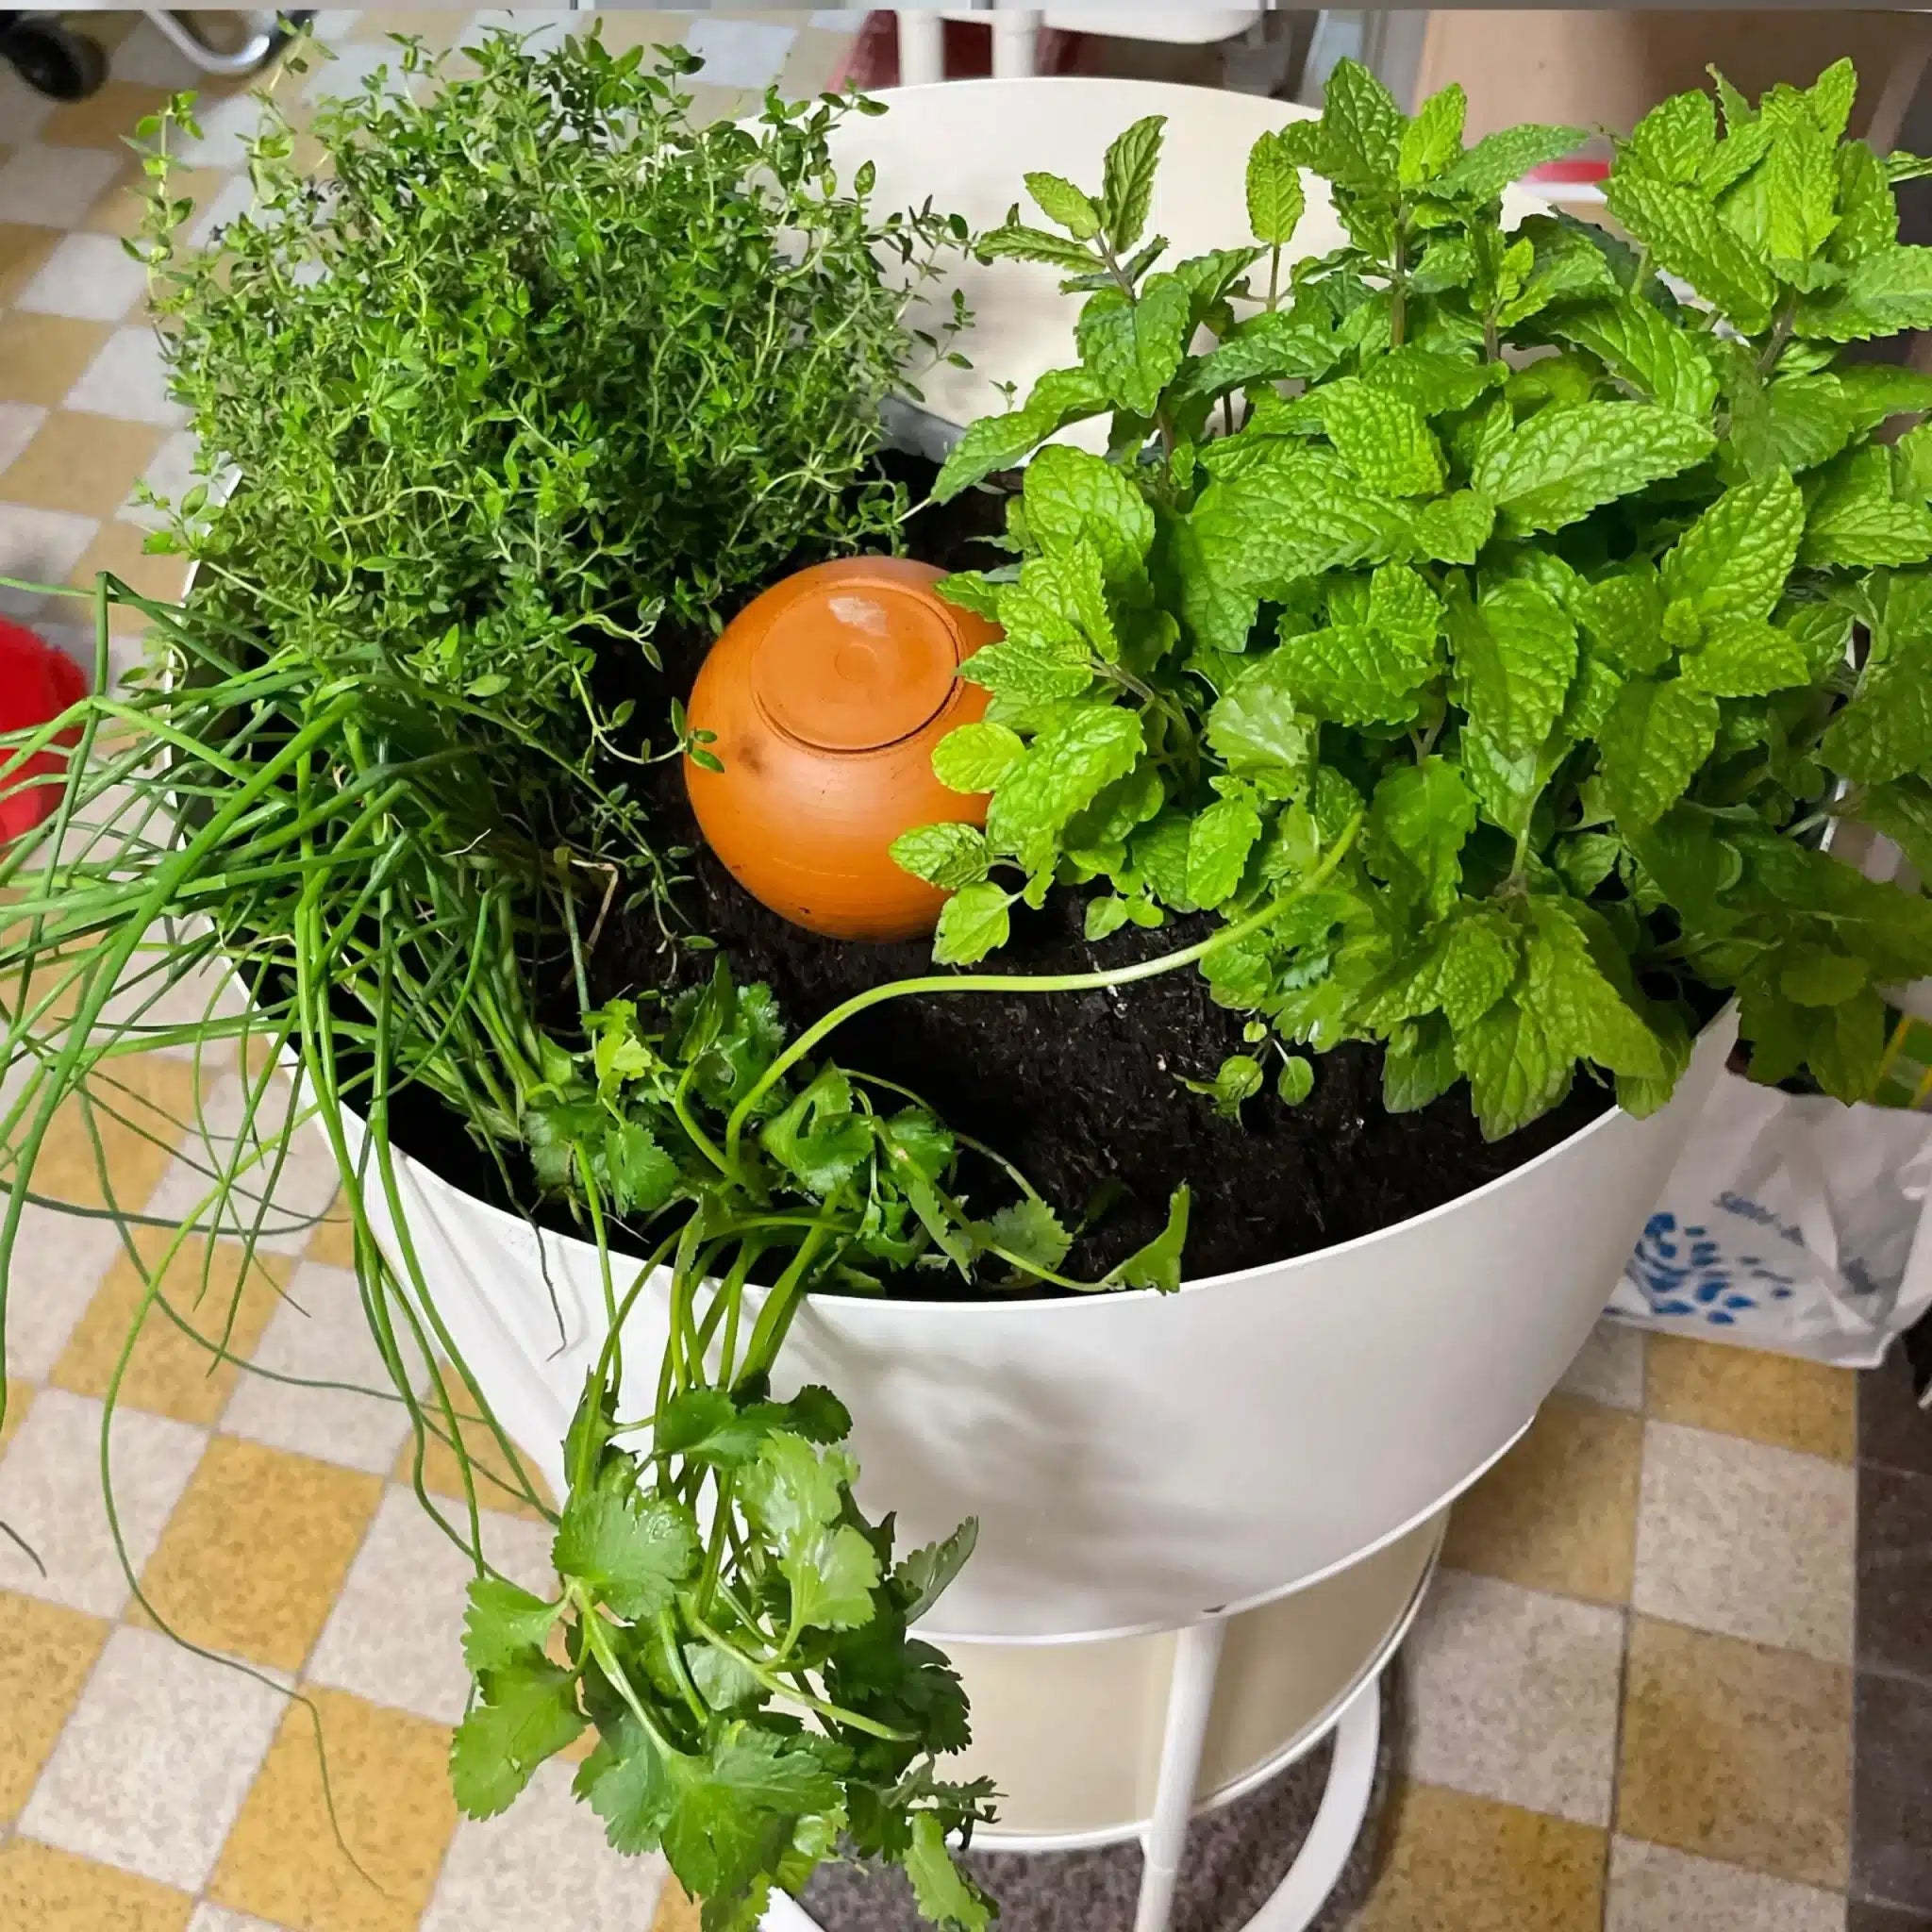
(1607, 68)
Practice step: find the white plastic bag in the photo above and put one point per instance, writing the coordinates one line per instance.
(1793, 1224)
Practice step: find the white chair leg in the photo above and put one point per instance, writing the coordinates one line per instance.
(1189, 1693)
(1016, 42)
(922, 46)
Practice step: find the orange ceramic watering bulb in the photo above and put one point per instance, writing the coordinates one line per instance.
(827, 695)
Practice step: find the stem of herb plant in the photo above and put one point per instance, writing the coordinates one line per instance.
(1398, 282)
(779, 1688)
(1780, 334)
(1274, 279)
(1027, 982)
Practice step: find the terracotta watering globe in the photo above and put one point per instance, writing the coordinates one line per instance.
(827, 695)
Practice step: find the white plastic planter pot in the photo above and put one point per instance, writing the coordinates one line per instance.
(1140, 1460)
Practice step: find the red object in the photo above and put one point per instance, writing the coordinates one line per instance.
(36, 683)
(1579, 169)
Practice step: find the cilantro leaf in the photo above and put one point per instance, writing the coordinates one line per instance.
(923, 1575)
(626, 1782)
(705, 1425)
(796, 1495)
(632, 1552)
(1157, 1265)
(529, 1713)
(1029, 1229)
(1569, 458)
(503, 1622)
(733, 1810)
(945, 1896)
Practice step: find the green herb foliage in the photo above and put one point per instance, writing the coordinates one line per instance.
(734, 1626)
(1592, 642)
(530, 363)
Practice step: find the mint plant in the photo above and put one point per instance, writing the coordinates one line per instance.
(1570, 568)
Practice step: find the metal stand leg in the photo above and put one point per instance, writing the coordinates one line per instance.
(1196, 1662)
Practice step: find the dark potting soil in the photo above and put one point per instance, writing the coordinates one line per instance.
(1083, 1091)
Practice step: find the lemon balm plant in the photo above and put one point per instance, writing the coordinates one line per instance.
(1569, 567)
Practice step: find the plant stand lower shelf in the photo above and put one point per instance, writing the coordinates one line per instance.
(1310, 1663)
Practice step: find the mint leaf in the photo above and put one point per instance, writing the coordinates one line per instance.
(1433, 141)
(1417, 820)
(975, 758)
(1517, 1069)
(1264, 348)
(1218, 848)
(1435, 381)
(1237, 1080)
(1886, 731)
(1135, 345)
(1027, 675)
(1065, 769)
(1295, 1081)
(1478, 963)
(1127, 182)
(503, 1622)
(1886, 293)
(1515, 653)
(1361, 128)
(1676, 137)
(1419, 1065)
(1656, 738)
(529, 1713)
(945, 1896)
(795, 1494)
(972, 922)
(1815, 976)
(632, 1552)
(1275, 192)
(1742, 658)
(1074, 499)
(1855, 520)
(948, 856)
(1684, 235)
(1733, 561)
(1060, 201)
(1646, 349)
(1453, 529)
(1060, 397)
(1381, 436)
(1570, 457)
(1800, 187)
(1102, 918)
(1624, 616)
(1257, 724)
(1507, 155)
(1014, 240)
(1583, 1012)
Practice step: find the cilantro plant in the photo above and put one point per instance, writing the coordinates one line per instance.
(1569, 567)
(524, 368)
(731, 1623)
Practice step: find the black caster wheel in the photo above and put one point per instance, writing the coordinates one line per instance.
(63, 65)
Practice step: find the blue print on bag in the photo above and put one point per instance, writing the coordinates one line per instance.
(1685, 1273)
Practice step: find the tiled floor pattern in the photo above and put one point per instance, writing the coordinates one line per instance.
(1633, 1692)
